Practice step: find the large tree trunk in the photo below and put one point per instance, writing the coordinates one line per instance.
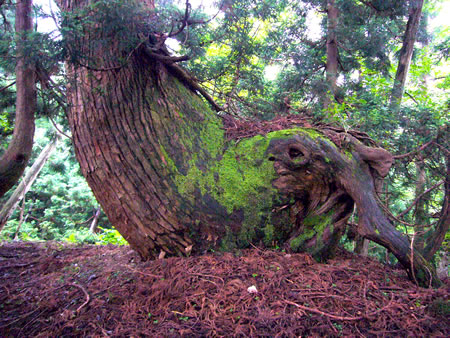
(15, 159)
(157, 160)
(406, 53)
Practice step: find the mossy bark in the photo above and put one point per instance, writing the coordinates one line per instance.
(157, 160)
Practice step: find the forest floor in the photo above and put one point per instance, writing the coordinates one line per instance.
(51, 289)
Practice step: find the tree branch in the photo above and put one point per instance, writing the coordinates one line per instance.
(413, 152)
(404, 212)
(6, 87)
(184, 22)
(167, 58)
(182, 75)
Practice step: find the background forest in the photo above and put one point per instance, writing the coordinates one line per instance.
(333, 61)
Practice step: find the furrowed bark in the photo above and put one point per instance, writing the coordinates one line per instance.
(15, 159)
(156, 158)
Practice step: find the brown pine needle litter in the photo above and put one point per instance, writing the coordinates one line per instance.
(51, 289)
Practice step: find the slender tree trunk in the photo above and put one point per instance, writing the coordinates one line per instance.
(27, 181)
(332, 51)
(362, 246)
(406, 53)
(420, 218)
(435, 239)
(94, 224)
(21, 220)
(15, 159)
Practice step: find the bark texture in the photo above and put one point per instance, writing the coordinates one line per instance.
(434, 241)
(332, 51)
(157, 160)
(15, 159)
(406, 53)
(419, 212)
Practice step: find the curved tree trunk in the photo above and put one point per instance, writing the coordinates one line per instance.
(157, 160)
(15, 159)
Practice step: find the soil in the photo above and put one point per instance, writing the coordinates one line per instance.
(51, 289)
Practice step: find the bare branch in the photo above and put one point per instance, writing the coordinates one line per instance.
(6, 87)
(166, 58)
(184, 22)
(413, 152)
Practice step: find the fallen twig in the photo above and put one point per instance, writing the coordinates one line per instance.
(88, 298)
(334, 316)
(143, 273)
(322, 313)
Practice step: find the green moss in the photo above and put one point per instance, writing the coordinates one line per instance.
(212, 135)
(314, 226)
(239, 178)
(245, 175)
(348, 153)
(169, 162)
(228, 242)
(232, 181)
(312, 133)
(269, 233)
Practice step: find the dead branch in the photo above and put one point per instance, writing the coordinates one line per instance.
(395, 218)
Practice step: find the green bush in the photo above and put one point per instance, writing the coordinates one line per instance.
(81, 236)
(110, 236)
